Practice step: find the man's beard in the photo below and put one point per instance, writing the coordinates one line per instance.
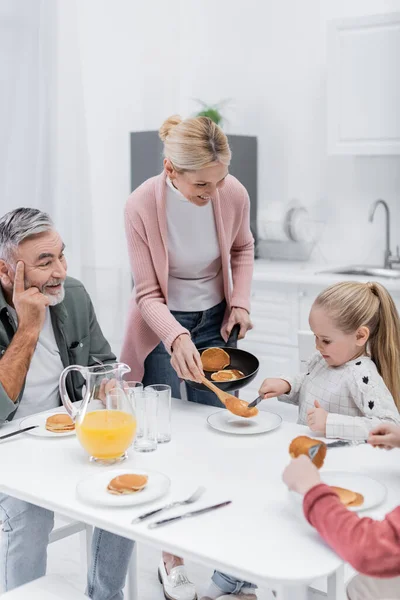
(53, 298)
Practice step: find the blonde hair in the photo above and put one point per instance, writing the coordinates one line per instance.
(352, 305)
(194, 144)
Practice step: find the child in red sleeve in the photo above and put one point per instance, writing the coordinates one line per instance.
(371, 547)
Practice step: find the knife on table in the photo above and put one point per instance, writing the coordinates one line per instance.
(8, 435)
(192, 513)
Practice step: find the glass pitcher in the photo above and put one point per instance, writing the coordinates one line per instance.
(105, 420)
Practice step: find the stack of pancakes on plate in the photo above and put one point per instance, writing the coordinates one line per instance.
(130, 483)
(59, 423)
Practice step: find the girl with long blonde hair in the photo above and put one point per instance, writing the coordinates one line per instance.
(352, 383)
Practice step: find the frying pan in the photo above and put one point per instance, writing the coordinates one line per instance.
(240, 359)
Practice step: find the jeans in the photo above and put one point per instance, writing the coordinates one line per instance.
(23, 546)
(204, 327)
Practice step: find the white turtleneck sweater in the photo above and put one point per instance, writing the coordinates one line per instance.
(195, 281)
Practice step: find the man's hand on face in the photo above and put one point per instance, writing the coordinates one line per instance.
(30, 304)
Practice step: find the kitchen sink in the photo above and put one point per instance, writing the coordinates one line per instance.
(366, 271)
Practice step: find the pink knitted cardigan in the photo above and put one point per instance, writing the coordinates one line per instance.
(149, 319)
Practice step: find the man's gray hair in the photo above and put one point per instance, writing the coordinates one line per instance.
(19, 224)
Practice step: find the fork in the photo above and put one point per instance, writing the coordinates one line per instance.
(338, 444)
(193, 498)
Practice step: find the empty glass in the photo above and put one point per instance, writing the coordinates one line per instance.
(164, 411)
(145, 403)
(132, 387)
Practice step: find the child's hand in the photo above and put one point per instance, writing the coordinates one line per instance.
(301, 475)
(385, 435)
(316, 418)
(273, 387)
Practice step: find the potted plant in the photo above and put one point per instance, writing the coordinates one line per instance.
(213, 111)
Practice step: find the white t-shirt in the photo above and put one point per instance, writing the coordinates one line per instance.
(41, 385)
(195, 281)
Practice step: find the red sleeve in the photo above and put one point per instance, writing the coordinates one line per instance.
(371, 547)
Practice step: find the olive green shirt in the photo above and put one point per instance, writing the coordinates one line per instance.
(78, 336)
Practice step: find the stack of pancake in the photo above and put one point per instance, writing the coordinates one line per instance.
(59, 423)
(215, 360)
(347, 497)
(130, 483)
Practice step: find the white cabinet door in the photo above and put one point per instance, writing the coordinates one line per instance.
(274, 312)
(364, 85)
(275, 361)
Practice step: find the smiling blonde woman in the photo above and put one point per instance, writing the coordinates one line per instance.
(187, 231)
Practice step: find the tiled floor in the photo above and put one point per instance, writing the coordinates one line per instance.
(65, 559)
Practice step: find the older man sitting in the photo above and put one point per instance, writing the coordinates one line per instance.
(47, 322)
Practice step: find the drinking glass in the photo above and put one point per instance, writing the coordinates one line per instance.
(164, 411)
(146, 404)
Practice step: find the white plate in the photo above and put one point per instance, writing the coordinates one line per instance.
(374, 491)
(41, 430)
(225, 421)
(93, 490)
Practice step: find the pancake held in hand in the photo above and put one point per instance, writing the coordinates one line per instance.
(227, 375)
(240, 408)
(59, 423)
(302, 444)
(347, 497)
(127, 484)
(214, 359)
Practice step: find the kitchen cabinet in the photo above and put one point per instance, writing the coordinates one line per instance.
(363, 91)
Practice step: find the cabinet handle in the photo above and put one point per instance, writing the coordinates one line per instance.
(302, 294)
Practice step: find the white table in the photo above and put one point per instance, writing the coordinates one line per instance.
(261, 537)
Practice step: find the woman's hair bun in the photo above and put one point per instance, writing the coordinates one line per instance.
(168, 124)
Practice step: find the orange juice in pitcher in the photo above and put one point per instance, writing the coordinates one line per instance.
(106, 434)
(105, 421)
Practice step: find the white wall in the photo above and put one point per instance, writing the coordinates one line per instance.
(142, 62)
(271, 58)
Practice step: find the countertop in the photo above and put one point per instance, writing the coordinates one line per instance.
(309, 274)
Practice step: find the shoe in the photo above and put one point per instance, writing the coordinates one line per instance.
(176, 584)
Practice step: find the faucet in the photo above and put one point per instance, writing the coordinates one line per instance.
(389, 259)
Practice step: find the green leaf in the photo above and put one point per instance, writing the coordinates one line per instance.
(211, 113)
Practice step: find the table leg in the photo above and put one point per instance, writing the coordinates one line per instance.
(132, 576)
(336, 587)
(293, 593)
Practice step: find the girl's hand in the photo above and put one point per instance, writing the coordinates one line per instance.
(316, 418)
(270, 388)
(301, 475)
(185, 359)
(240, 316)
(385, 435)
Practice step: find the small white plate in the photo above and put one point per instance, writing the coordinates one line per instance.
(374, 491)
(93, 490)
(40, 421)
(225, 421)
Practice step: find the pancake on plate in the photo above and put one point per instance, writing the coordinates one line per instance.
(59, 423)
(129, 483)
(302, 444)
(347, 497)
(227, 375)
(215, 359)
